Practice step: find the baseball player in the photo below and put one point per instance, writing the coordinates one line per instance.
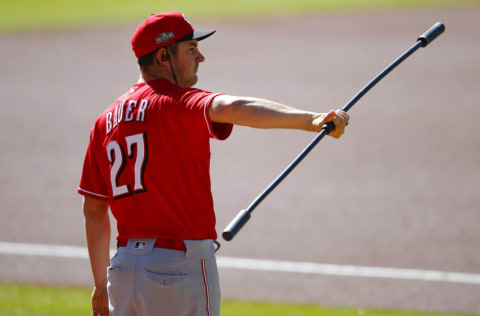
(148, 161)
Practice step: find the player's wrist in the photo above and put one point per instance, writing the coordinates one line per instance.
(316, 122)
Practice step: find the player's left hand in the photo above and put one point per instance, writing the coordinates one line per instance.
(100, 302)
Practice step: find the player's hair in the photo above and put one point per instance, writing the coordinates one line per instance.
(147, 60)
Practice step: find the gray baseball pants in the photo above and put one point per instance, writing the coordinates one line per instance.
(146, 281)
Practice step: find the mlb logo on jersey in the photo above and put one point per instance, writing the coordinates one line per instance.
(140, 244)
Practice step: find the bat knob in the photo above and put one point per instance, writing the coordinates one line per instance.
(236, 224)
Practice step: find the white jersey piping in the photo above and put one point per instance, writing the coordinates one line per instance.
(92, 193)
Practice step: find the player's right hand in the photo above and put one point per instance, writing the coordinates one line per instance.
(100, 302)
(338, 117)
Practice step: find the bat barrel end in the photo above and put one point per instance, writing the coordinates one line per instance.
(431, 34)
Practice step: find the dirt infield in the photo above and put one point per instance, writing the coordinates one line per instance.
(401, 189)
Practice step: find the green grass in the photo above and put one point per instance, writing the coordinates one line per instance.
(19, 300)
(33, 14)
(23, 300)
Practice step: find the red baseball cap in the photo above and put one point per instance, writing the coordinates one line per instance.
(163, 29)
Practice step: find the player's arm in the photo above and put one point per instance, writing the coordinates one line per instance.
(97, 227)
(260, 113)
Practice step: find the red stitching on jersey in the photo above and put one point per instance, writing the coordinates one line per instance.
(206, 286)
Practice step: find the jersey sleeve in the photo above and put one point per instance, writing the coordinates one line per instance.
(195, 105)
(92, 183)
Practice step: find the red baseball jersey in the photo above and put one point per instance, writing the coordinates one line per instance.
(149, 155)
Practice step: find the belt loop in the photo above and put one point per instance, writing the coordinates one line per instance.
(203, 248)
(218, 246)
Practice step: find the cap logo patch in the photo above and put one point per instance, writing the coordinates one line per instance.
(164, 37)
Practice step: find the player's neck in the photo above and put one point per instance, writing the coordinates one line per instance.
(146, 76)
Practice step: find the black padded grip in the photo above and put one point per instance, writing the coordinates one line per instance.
(431, 34)
(330, 126)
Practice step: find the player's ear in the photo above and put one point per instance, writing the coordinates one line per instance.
(162, 55)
